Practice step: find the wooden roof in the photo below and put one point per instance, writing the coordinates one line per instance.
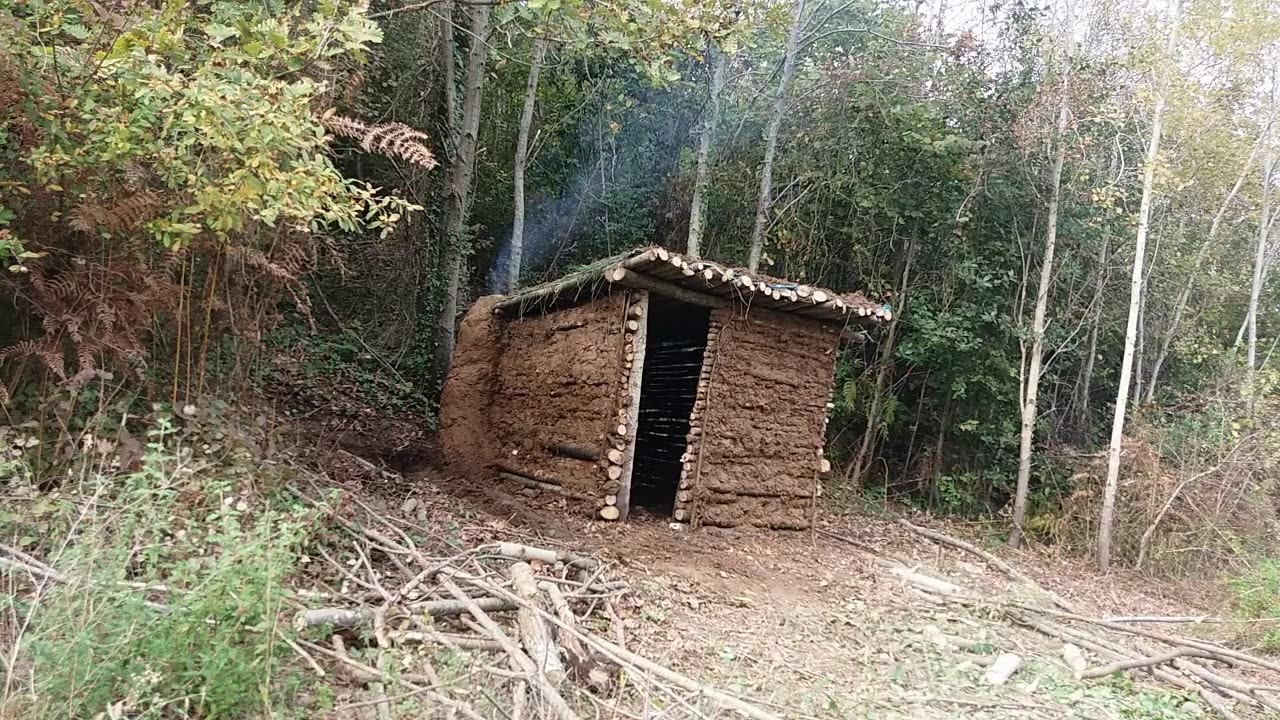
(697, 281)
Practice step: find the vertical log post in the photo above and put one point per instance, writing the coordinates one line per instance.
(691, 462)
(619, 460)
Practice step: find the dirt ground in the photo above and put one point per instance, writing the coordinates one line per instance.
(812, 627)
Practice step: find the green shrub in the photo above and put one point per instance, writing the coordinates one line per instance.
(208, 644)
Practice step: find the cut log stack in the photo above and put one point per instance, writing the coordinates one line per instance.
(691, 460)
(669, 273)
(700, 282)
(619, 454)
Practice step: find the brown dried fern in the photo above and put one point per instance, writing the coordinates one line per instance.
(44, 349)
(126, 215)
(395, 140)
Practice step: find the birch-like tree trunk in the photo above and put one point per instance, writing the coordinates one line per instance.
(1030, 393)
(1135, 290)
(765, 199)
(522, 162)
(464, 165)
(1255, 290)
(697, 207)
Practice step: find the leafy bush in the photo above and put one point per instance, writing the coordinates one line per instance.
(175, 582)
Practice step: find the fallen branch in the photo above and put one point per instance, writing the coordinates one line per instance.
(992, 560)
(548, 693)
(515, 551)
(625, 658)
(345, 618)
(1135, 663)
(538, 641)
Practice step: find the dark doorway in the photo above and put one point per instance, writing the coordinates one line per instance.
(675, 343)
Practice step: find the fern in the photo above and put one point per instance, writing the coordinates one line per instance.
(121, 217)
(395, 140)
(44, 349)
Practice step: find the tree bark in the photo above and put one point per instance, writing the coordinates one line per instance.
(1086, 373)
(1031, 392)
(1255, 290)
(521, 162)
(1180, 305)
(697, 207)
(1135, 289)
(455, 251)
(765, 199)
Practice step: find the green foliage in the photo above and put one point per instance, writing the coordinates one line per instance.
(221, 553)
(1257, 596)
(206, 103)
(341, 372)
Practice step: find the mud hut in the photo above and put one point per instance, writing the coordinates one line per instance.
(653, 381)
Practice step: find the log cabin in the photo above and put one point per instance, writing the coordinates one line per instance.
(656, 384)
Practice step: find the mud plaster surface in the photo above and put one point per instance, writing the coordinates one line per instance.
(763, 426)
(557, 379)
(468, 392)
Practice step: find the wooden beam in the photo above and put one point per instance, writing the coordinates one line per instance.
(635, 375)
(633, 279)
(560, 449)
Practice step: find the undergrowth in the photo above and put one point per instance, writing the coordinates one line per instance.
(337, 370)
(170, 590)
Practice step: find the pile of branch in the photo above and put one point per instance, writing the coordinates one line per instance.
(1193, 666)
(531, 618)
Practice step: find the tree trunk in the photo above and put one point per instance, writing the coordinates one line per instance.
(697, 207)
(1255, 290)
(1139, 344)
(939, 462)
(1135, 289)
(448, 41)
(521, 162)
(765, 199)
(1086, 373)
(455, 250)
(1181, 304)
(1031, 392)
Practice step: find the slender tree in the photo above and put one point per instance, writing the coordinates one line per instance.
(1255, 289)
(765, 199)
(522, 161)
(697, 207)
(1135, 290)
(464, 165)
(1031, 389)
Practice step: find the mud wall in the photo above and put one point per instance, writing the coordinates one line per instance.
(556, 382)
(764, 420)
(468, 392)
